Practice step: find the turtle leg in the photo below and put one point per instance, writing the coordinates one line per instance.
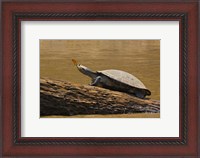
(96, 81)
(140, 94)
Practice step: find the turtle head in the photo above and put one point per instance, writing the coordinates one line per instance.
(84, 69)
(80, 67)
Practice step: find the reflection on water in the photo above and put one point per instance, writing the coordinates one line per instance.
(138, 57)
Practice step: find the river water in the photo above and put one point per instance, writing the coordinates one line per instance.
(138, 57)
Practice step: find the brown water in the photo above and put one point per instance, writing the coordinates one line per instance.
(138, 57)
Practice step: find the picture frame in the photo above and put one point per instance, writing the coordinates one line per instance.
(185, 145)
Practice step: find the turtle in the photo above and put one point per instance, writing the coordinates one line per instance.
(116, 80)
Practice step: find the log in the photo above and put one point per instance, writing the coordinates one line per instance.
(65, 98)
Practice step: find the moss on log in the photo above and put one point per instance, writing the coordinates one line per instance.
(65, 98)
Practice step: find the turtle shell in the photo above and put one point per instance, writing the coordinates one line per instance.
(124, 77)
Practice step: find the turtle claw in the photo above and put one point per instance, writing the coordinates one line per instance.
(96, 81)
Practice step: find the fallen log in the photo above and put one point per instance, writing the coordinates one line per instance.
(65, 98)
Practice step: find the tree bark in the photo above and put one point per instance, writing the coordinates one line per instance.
(65, 98)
